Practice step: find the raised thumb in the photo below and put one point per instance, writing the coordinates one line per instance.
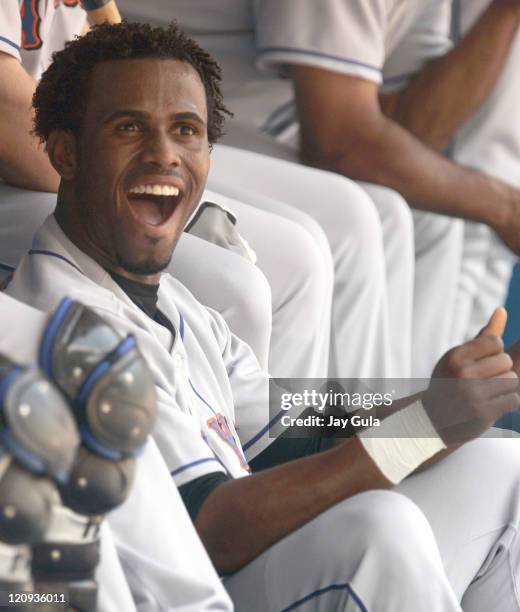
(496, 324)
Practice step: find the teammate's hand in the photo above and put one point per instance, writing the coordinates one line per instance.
(473, 385)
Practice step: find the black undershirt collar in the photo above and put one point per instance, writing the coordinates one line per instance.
(144, 296)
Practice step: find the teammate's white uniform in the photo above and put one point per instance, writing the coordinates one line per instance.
(301, 289)
(382, 37)
(489, 142)
(161, 564)
(351, 557)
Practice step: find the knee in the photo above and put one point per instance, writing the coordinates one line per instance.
(306, 267)
(394, 212)
(384, 525)
(345, 209)
(432, 230)
(248, 293)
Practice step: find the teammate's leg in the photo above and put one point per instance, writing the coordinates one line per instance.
(301, 282)
(360, 337)
(438, 253)
(230, 284)
(398, 242)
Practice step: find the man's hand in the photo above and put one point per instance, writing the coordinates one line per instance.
(473, 385)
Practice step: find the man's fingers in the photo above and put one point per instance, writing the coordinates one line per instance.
(503, 404)
(488, 367)
(485, 390)
(496, 324)
(474, 350)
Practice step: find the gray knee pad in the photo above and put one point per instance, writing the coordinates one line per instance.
(97, 485)
(38, 440)
(111, 390)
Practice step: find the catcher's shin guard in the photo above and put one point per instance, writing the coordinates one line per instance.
(112, 395)
(38, 442)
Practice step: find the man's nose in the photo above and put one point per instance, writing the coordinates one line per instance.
(162, 150)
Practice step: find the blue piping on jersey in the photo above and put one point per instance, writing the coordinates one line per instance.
(398, 78)
(181, 326)
(264, 430)
(456, 21)
(7, 267)
(10, 43)
(192, 464)
(277, 114)
(336, 58)
(201, 398)
(57, 255)
(332, 587)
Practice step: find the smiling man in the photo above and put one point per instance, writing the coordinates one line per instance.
(149, 156)
(129, 108)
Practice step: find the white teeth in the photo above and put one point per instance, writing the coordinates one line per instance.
(158, 190)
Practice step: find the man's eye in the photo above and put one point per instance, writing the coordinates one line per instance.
(187, 130)
(129, 126)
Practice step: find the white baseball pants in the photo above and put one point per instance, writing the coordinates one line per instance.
(445, 540)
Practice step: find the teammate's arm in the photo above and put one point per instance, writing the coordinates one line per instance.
(23, 161)
(450, 89)
(343, 129)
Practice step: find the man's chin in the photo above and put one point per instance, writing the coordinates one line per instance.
(148, 267)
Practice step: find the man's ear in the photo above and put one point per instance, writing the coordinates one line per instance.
(63, 153)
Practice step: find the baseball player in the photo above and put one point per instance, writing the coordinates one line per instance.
(376, 47)
(300, 289)
(159, 562)
(311, 533)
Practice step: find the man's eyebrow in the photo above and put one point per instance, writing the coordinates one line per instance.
(125, 113)
(188, 115)
(119, 114)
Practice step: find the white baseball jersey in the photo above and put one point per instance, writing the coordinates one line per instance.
(160, 563)
(380, 40)
(210, 387)
(26, 26)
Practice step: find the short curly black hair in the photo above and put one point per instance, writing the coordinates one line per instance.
(60, 97)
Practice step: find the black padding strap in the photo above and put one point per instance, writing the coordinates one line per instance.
(59, 562)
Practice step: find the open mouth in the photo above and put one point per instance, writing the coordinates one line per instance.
(154, 204)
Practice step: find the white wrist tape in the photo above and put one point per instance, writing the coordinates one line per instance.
(402, 442)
